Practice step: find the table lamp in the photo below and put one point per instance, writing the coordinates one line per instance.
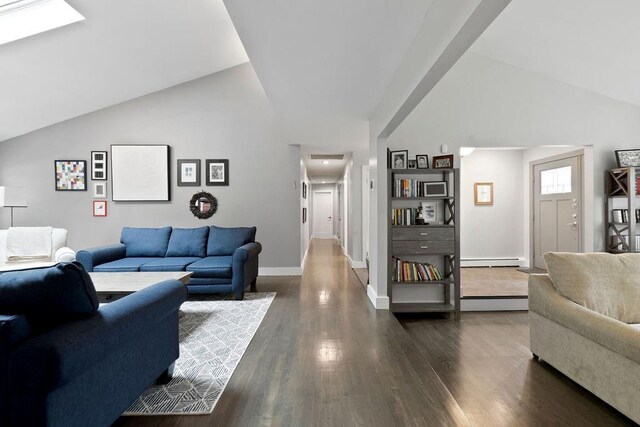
(12, 197)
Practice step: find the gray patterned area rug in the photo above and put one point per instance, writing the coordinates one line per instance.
(215, 331)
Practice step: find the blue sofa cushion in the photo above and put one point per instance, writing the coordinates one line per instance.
(145, 242)
(212, 267)
(169, 264)
(124, 265)
(224, 241)
(188, 242)
(64, 291)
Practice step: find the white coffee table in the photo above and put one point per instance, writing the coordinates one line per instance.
(113, 286)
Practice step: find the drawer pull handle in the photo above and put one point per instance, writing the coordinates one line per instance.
(424, 247)
(424, 234)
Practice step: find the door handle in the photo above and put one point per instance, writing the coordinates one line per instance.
(574, 223)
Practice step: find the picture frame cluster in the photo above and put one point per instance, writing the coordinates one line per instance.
(400, 160)
(216, 172)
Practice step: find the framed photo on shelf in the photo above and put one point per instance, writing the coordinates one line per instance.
(188, 172)
(413, 164)
(435, 189)
(429, 212)
(422, 161)
(71, 175)
(443, 162)
(99, 190)
(99, 208)
(99, 165)
(628, 158)
(217, 172)
(399, 159)
(483, 193)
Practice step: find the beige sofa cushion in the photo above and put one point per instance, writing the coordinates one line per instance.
(605, 283)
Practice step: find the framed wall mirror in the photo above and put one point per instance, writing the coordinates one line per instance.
(203, 205)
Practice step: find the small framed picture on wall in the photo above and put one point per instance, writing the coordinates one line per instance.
(99, 208)
(99, 165)
(100, 190)
(188, 172)
(217, 172)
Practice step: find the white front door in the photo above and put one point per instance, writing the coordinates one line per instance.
(323, 214)
(556, 207)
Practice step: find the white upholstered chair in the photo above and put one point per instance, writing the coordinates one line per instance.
(59, 252)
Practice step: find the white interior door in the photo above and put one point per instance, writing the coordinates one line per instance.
(556, 208)
(323, 214)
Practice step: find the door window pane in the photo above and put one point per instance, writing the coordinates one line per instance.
(555, 181)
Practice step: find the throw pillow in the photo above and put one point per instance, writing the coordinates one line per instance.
(188, 242)
(605, 283)
(145, 242)
(225, 241)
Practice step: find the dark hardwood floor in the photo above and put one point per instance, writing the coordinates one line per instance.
(324, 356)
(485, 362)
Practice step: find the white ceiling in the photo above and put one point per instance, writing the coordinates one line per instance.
(325, 64)
(124, 49)
(319, 172)
(591, 44)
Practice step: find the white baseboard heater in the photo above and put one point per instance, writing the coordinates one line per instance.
(493, 262)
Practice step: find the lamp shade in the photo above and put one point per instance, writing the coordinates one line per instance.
(13, 197)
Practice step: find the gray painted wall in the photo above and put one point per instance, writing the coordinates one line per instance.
(223, 115)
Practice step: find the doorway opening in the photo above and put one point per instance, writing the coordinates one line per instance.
(516, 204)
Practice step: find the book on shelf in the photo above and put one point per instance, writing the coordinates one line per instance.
(409, 271)
(404, 216)
(416, 188)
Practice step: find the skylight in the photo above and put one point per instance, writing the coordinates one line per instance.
(24, 18)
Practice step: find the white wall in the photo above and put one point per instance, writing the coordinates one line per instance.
(305, 228)
(223, 115)
(492, 231)
(483, 102)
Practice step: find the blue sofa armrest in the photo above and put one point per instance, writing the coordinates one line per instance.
(245, 267)
(62, 354)
(92, 257)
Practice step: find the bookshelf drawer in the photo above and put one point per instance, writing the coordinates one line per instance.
(423, 233)
(407, 247)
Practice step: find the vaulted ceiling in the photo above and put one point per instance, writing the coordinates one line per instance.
(591, 44)
(325, 64)
(123, 50)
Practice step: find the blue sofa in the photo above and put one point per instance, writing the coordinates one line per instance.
(66, 362)
(222, 260)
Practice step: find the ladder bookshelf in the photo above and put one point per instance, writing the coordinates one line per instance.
(621, 210)
(431, 281)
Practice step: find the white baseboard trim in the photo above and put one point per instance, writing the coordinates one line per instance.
(380, 303)
(280, 271)
(356, 264)
(494, 262)
(304, 259)
(498, 304)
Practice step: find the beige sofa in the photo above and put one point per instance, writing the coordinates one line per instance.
(59, 252)
(598, 351)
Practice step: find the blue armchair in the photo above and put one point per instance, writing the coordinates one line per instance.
(222, 260)
(64, 362)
